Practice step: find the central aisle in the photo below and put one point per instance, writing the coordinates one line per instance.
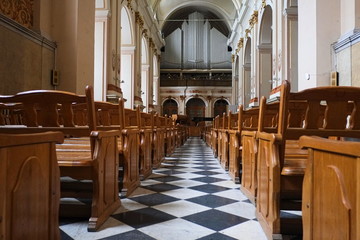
(189, 197)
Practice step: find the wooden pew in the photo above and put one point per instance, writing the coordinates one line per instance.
(254, 121)
(129, 125)
(11, 114)
(170, 136)
(29, 186)
(93, 155)
(331, 197)
(243, 120)
(322, 111)
(132, 164)
(158, 153)
(224, 152)
(208, 135)
(214, 135)
(219, 137)
(146, 142)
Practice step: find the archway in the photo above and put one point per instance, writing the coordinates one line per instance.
(247, 73)
(265, 53)
(195, 107)
(170, 107)
(220, 107)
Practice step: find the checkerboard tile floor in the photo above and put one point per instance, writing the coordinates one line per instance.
(189, 197)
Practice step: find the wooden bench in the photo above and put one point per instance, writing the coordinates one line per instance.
(219, 137)
(322, 111)
(224, 142)
(255, 121)
(170, 136)
(159, 140)
(133, 165)
(29, 186)
(239, 122)
(11, 114)
(214, 135)
(130, 130)
(86, 154)
(331, 197)
(146, 142)
(208, 135)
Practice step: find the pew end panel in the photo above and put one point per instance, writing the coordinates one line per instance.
(331, 189)
(29, 186)
(146, 141)
(249, 165)
(235, 150)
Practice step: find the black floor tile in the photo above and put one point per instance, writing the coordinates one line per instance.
(143, 217)
(161, 187)
(134, 235)
(211, 201)
(167, 179)
(154, 199)
(207, 173)
(208, 188)
(169, 172)
(217, 236)
(215, 220)
(208, 179)
(64, 236)
(206, 167)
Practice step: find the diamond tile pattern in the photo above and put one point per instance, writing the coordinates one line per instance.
(189, 197)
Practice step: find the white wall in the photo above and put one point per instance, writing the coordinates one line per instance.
(318, 30)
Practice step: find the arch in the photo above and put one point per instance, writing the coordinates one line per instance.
(220, 106)
(145, 71)
(169, 107)
(168, 98)
(247, 73)
(127, 37)
(155, 80)
(265, 53)
(196, 96)
(236, 81)
(195, 107)
(144, 51)
(127, 69)
(218, 10)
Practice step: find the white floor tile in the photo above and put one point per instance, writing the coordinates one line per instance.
(181, 208)
(184, 193)
(241, 209)
(235, 194)
(186, 183)
(78, 231)
(246, 231)
(177, 229)
(129, 205)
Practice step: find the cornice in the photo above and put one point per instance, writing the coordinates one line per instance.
(25, 32)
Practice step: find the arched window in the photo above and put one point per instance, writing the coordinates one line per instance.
(170, 107)
(220, 107)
